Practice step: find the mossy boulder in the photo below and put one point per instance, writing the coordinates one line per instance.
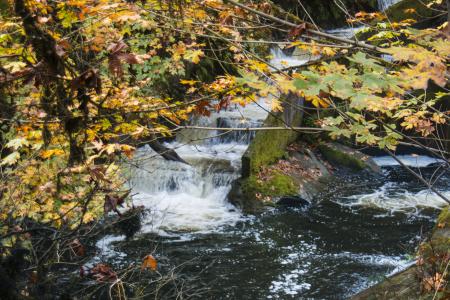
(343, 156)
(276, 186)
(250, 192)
(269, 146)
(410, 9)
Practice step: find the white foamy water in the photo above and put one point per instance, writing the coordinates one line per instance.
(183, 197)
(417, 161)
(398, 262)
(345, 32)
(392, 199)
(106, 249)
(280, 60)
(192, 198)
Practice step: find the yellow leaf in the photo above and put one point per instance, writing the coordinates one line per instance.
(194, 56)
(188, 82)
(52, 152)
(275, 105)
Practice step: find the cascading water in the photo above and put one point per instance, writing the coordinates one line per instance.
(192, 197)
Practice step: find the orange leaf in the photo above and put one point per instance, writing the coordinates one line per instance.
(149, 262)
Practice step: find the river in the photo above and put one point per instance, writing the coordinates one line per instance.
(355, 233)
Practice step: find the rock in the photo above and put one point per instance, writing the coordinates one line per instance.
(293, 201)
(342, 156)
(269, 146)
(400, 11)
(300, 175)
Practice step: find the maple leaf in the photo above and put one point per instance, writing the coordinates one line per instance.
(297, 31)
(194, 55)
(103, 273)
(10, 159)
(149, 262)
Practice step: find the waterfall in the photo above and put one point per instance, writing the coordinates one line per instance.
(385, 4)
(187, 198)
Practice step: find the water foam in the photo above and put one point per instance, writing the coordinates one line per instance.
(192, 198)
(412, 160)
(391, 199)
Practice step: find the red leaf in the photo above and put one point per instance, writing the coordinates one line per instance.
(297, 31)
(102, 272)
(77, 248)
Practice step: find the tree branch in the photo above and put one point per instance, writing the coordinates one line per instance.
(310, 31)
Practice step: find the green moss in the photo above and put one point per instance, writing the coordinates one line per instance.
(338, 157)
(278, 185)
(444, 217)
(268, 146)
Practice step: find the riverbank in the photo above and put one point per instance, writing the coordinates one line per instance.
(409, 283)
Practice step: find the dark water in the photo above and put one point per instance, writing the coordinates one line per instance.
(330, 250)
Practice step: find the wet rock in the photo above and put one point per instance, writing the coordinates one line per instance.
(269, 146)
(401, 10)
(342, 156)
(130, 222)
(293, 201)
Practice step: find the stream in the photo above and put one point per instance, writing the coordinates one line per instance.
(357, 232)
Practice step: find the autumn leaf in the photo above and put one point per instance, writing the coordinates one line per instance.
(10, 159)
(297, 31)
(77, 248)
(149, 262)
(193, 56)
(103, 273)
(51, 152)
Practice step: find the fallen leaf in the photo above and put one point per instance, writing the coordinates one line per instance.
(149, 262)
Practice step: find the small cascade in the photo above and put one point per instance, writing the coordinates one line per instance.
(192, 198)
(385, 4)
(345, 32)
(280, 60)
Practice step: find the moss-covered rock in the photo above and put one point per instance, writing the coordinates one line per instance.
(269, 146)
(402, 10)
(343, 156)
(277, 185)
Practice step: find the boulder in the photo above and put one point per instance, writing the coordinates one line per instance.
(342, 156)
(298, 175)
(410, 9)
(293, 201)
